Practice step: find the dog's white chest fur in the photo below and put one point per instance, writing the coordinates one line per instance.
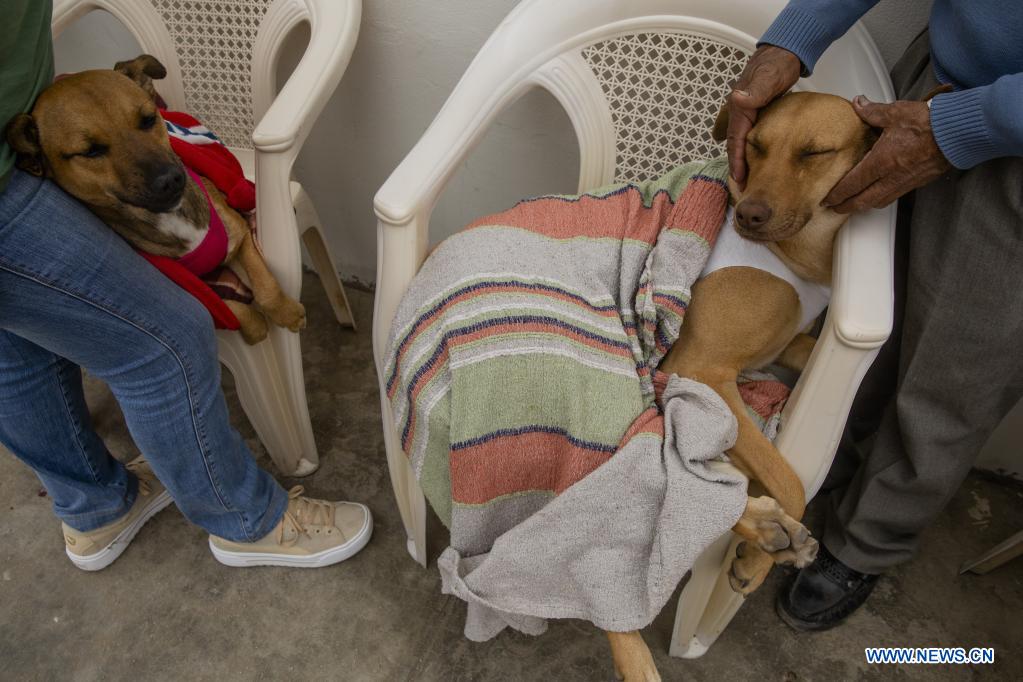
(731, 250)
(174, 224)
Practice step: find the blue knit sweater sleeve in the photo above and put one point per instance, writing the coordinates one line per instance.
(807, 27)
(971, 125)
(977, 124)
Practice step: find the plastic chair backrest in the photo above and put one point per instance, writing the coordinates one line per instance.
(664, 91)
(214, 42)
(221, 56)
(646, 75)
(617, 84)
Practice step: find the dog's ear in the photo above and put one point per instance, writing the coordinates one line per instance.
(143, 70)
(720, 130)
(23, 136)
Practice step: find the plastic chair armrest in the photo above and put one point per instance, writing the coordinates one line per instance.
(859, 322)
(292, 113)
(862, 303)
(415, 184)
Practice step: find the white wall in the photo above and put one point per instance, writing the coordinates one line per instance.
(409, 57)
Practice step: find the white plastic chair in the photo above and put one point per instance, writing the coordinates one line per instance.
(641, 82)
(221, 58)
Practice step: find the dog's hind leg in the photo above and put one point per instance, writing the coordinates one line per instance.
(632, 659)
(797, 354)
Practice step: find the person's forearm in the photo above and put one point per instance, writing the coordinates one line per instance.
(807, 27)
(977, 124)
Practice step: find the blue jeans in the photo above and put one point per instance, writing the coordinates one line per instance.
(73, 294)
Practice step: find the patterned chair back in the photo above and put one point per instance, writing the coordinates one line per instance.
(664, 91)
(214, 41)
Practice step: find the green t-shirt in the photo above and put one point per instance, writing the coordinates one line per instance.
(26, 65)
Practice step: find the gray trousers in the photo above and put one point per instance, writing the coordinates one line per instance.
(953, 367)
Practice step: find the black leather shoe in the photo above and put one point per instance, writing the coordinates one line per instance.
(823, 594)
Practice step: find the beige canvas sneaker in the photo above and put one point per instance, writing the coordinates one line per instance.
(311, 534)
(99, 548)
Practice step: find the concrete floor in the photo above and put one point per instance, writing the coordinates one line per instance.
(167, 610)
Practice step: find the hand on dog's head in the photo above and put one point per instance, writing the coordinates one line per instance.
(99, 135)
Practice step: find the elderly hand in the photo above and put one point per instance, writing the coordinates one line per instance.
(905, 157)
(769, 73)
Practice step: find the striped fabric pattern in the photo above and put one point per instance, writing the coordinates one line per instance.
(524, 352)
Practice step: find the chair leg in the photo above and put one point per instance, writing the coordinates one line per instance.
(996, 556)
(416, 544)
(288, 348)
(311, 229)
(281, 422)
(708, 602)
(408, 494)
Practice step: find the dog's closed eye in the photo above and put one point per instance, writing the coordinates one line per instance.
(94, 151)
(807, 153)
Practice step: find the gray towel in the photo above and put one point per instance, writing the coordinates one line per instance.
(612, 548)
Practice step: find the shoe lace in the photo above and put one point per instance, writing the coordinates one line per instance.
(142, 473)
(303, 511)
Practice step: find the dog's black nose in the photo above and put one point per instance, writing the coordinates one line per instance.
(169, 182)
(752, 214)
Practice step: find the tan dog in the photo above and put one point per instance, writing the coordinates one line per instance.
(746, 318)
(99, 135)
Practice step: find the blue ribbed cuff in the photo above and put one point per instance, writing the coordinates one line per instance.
(800, 33)
(962, 133)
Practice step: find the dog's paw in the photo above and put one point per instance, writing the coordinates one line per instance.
(772, 537)
(253, 329)
(646, 674)
(639, 669)
(799, 556)
(749, 569)
(289, 314)
(784, 539)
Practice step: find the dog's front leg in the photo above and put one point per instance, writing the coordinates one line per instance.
(282, 310)
(726, 329)
(756, 456)
(632, 658)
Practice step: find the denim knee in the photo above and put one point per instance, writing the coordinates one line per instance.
(188, 330)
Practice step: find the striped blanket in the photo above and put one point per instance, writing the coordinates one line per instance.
(522, 374)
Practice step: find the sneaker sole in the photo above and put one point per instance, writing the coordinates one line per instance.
(109, 554)
(327, 557)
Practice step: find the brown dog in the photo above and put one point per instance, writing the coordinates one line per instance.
(99, 135)
(746, 318)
